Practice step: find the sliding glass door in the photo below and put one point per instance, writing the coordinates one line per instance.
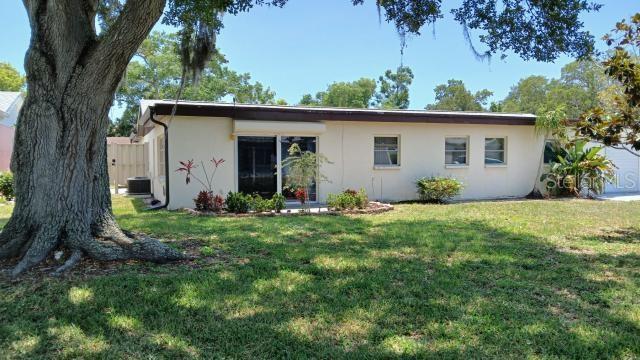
(257, 165)
(306, 143)
(260, 157)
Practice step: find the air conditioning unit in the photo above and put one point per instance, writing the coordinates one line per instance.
(139, 185)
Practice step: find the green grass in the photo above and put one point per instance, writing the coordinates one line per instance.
(538, 279)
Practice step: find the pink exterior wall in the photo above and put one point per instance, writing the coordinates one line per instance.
(6, 146)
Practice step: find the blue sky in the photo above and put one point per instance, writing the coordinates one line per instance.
(308, 44)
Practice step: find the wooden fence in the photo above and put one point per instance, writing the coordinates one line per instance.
(125, 161)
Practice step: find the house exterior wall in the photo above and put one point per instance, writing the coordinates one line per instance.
(157, 181)
(349, 146)
(6, 146)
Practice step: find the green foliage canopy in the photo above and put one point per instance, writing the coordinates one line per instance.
(618, 122)
(10, 78)
(394, 88)
(155, 73)
(354, 94)
(454, 96)
(582, 85)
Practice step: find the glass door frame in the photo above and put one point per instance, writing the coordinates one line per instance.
(278, 160)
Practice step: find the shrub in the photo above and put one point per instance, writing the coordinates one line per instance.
(238, 203)
(258, 204)
(348, 200)
(278, 202)
(218, 203)
(204, 201)
(6, 185)
(362, 200)
(438, 189)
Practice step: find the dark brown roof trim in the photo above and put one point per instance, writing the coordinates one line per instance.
(281, 113)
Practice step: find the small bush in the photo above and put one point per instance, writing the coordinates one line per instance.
(6, 185)
(438, 189)
(238, 203)
(218, 203)
(204, 201)
(278, 202)
(348, 200)
(207, 250)
(259, 205)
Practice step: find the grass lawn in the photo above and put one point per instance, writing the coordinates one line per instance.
(540, 279)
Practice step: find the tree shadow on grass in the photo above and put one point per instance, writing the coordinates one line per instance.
(341, 287)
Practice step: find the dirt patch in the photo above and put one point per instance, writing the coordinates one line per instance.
(89, 268)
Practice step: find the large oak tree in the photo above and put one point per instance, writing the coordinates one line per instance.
(73, 70)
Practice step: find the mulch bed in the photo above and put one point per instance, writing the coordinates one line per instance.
(374, 207)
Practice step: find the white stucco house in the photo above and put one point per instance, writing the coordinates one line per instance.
(10, 104)
(495, 155)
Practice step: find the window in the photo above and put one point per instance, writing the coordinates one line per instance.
(386, 151)
(455, 151)
(160, 158)
(494, 151)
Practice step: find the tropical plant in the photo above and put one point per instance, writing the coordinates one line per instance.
(6, 185)
(578, 169)
(204, 201)
(218, 203)
(303, 169)
(438, 189)
(302, 195)
(188, 167)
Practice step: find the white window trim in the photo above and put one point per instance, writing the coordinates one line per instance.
(457, 166)
(387, 167)
(505, 163)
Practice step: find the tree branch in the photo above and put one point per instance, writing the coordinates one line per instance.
(627, 149)
(114, 50)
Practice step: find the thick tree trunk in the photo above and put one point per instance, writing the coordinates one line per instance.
(59, 160)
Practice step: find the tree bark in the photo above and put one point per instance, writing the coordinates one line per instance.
(59, 160)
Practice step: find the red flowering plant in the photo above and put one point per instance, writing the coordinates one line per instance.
(301, 195)
(205, 203)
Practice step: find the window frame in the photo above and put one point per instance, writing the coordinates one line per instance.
(467, 149)
(504, 151)
(398, 151)
(160, 160)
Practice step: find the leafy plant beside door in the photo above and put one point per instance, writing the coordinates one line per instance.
(578, 171)
(303, 170)
(205, 201)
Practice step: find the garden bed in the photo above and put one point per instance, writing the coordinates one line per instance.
(374, 207)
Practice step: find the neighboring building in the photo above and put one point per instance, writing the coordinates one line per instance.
(627, 178)
(10, 104)
(382, 151)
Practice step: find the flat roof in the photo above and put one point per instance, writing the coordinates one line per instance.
(303, 113)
